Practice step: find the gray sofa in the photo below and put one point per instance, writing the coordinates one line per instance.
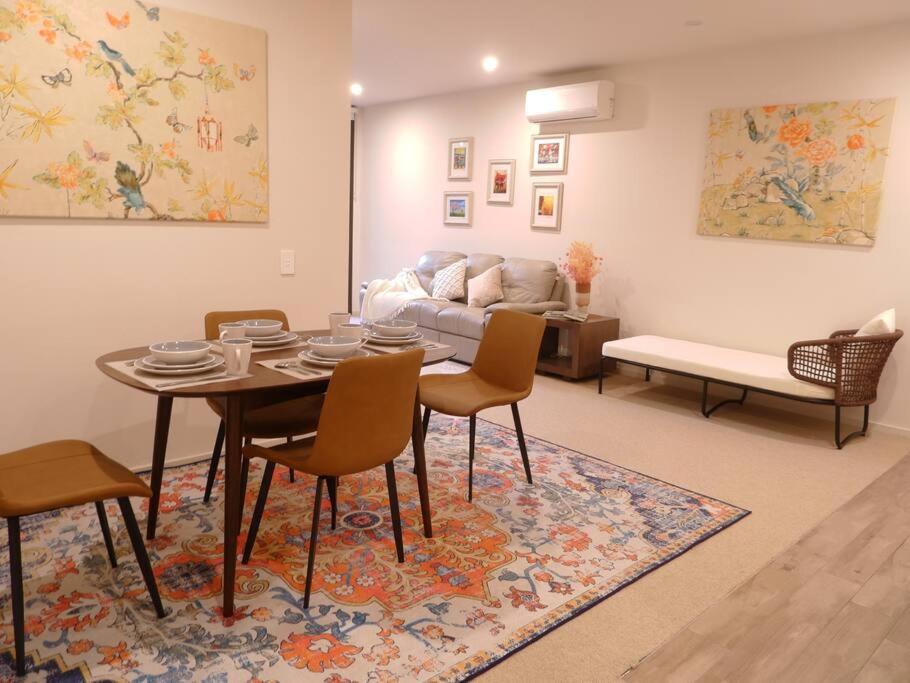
(529, 285)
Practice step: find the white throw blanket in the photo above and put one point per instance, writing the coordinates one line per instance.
(387, 298)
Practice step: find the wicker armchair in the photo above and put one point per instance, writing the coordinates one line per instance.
(848, 364)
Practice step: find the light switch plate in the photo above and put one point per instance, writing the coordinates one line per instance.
(287, 261)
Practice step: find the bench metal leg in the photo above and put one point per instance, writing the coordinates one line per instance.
(704, 400)
(861, 432)
(647, 374)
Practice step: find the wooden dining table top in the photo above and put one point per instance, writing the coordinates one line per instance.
(261, 378)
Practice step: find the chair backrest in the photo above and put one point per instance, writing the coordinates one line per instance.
(214, 318)
(508, 352)
(368, 413)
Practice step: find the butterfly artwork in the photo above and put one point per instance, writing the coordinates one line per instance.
(92, 155)
(174, 122)
(64, 76)
(245, 74)
(151, 13)
(118, 22)
(249, 138)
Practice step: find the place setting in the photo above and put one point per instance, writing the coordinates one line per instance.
(264, 334)
(323, 353)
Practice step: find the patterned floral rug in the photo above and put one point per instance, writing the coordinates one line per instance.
(501, 572)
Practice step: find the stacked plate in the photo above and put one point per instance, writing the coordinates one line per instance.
(376, 338)
(312, 357)
(279, 339)
(179, 358)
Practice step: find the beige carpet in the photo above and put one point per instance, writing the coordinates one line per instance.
(780, 465)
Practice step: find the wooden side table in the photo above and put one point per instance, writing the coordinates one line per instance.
(585, 341)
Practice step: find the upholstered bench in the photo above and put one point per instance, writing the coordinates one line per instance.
(842, 370)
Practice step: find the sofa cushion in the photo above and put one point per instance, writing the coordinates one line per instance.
(424, 311)
(467, 321)
(486, 288)
(883, 323)
(449, 282)
(527, 281)
(481, 263)
(432, 261)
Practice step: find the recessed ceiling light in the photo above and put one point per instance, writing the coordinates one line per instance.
(692, 22)
(490, 63)
(356, 89)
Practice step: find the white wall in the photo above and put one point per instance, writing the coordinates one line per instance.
(633, 187)
(72, 291)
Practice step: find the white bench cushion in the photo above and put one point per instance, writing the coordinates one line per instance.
(715, 362)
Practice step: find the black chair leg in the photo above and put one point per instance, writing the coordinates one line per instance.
(426, 426)
(213, 465)
(244, 479)
(15, 579)
(332, 486)
(267, 474)
(314, 534)
(521, 442)
(472, 429)
(393, 508)
(291, 469)
(141, 555)
(106, 532)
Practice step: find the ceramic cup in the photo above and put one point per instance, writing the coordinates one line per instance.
(336, 319)
(351, 330)
(237, 355)
(231, 331)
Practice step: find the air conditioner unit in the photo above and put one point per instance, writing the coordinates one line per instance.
(592, 101)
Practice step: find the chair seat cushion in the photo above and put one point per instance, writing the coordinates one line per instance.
(757, 370)
(61, 474)
(293, 455)
(463, 394)
(286, 418)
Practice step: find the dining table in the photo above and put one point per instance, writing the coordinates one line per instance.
(236, 393)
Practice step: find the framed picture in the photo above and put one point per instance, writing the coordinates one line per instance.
(550, 153)
(501, 181)
(458, 208)
(546, 206)
(461, 158)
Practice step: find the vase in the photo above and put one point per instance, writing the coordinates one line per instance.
(582, 295)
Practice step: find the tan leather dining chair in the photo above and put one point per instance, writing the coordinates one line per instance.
(502, 374)
(274, 415)
(64, 474)
(366, 422)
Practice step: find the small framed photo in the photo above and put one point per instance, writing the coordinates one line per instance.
(501, 181)
(550, 153)
(461, 158)
(458, 208)
(546, 206)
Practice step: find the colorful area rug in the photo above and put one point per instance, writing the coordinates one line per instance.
(501, 571)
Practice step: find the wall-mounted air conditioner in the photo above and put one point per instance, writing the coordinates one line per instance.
(592, 101)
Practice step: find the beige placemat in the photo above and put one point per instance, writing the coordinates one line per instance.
(298, 370)
(160, 382)
(216, 346)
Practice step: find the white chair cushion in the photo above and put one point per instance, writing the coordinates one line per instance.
(715, 362)
(883, 323)
(486, 288)
(449, 282)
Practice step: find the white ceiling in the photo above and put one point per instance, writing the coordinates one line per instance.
(412, 48)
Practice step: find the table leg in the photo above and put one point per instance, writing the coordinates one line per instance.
(420, 466)
(162, 427)
(233, 419)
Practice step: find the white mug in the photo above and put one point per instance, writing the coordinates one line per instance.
(351, 330)
(231, 331)
(237, 355)
(335, 319)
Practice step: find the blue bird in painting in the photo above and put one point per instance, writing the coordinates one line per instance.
(793, 198)
(129, 187)
(115, 56)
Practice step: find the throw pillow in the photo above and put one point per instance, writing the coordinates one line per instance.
(486, 288)
(449, 282)
(883, 323)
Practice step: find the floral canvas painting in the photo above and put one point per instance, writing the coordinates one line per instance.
(128, 110)
(803, 172)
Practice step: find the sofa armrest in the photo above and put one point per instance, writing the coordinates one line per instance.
(537, 308)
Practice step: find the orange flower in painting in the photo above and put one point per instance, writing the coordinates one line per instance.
(794, 132)
(67, 175)
(79, 51)
(215, 215)
(169, 149)
(4, 36)
(317, 653)
(819, 152)
(770, 109)
(28, 11)
(205, 58)
(49, 33)
(77, 647)
(856, 141)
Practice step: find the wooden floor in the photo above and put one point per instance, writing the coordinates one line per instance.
(834, 607)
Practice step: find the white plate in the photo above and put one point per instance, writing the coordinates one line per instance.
(151, 361)
(394, 341)
(287, 338)
(270, 337)
(183, 371)
(309, 357)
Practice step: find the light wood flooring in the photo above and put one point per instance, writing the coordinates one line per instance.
(834, 607)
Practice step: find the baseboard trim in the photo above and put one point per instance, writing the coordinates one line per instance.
(198, 457)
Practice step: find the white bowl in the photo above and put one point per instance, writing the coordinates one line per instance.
(262, 327)
(394, 328)
(335, 347)
(180, 352)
